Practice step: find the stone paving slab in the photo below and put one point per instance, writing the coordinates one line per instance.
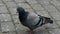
(51, 26)
(24, 5)
(7, 0)
(58, 22)
(54, 31)
(43, 13)
(37, 7)
(5, 17)
(56, 3)
(29, 10)
(18, 1)
(0, 32)
(10, 4)
(3, 9)
(7, 26)
(15, 18)
(1, 3)
(13, 11)
(10, 24)
(21, 32)
(32, 1)
(52, 10)
(10, 33)
(42, 32)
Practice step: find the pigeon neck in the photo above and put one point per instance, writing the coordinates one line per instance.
(23, 16)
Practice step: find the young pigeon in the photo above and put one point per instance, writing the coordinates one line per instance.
(32, 20)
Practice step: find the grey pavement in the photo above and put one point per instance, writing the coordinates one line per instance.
(10, 24)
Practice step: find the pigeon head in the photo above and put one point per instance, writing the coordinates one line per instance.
(20, 10)
(48, 20)
(22, 13)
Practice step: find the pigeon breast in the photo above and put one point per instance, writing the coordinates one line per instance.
(32, 19)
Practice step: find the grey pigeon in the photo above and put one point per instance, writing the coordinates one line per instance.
(32, 20)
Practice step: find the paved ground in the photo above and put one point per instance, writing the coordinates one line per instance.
(9, 23)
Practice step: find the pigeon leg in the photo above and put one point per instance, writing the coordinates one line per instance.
(29, 31)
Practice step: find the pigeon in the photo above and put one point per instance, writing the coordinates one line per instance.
(31, 19)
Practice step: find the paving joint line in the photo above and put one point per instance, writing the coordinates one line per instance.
(10, 15)
(31, 7)
(56, 8)
(49, 14)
